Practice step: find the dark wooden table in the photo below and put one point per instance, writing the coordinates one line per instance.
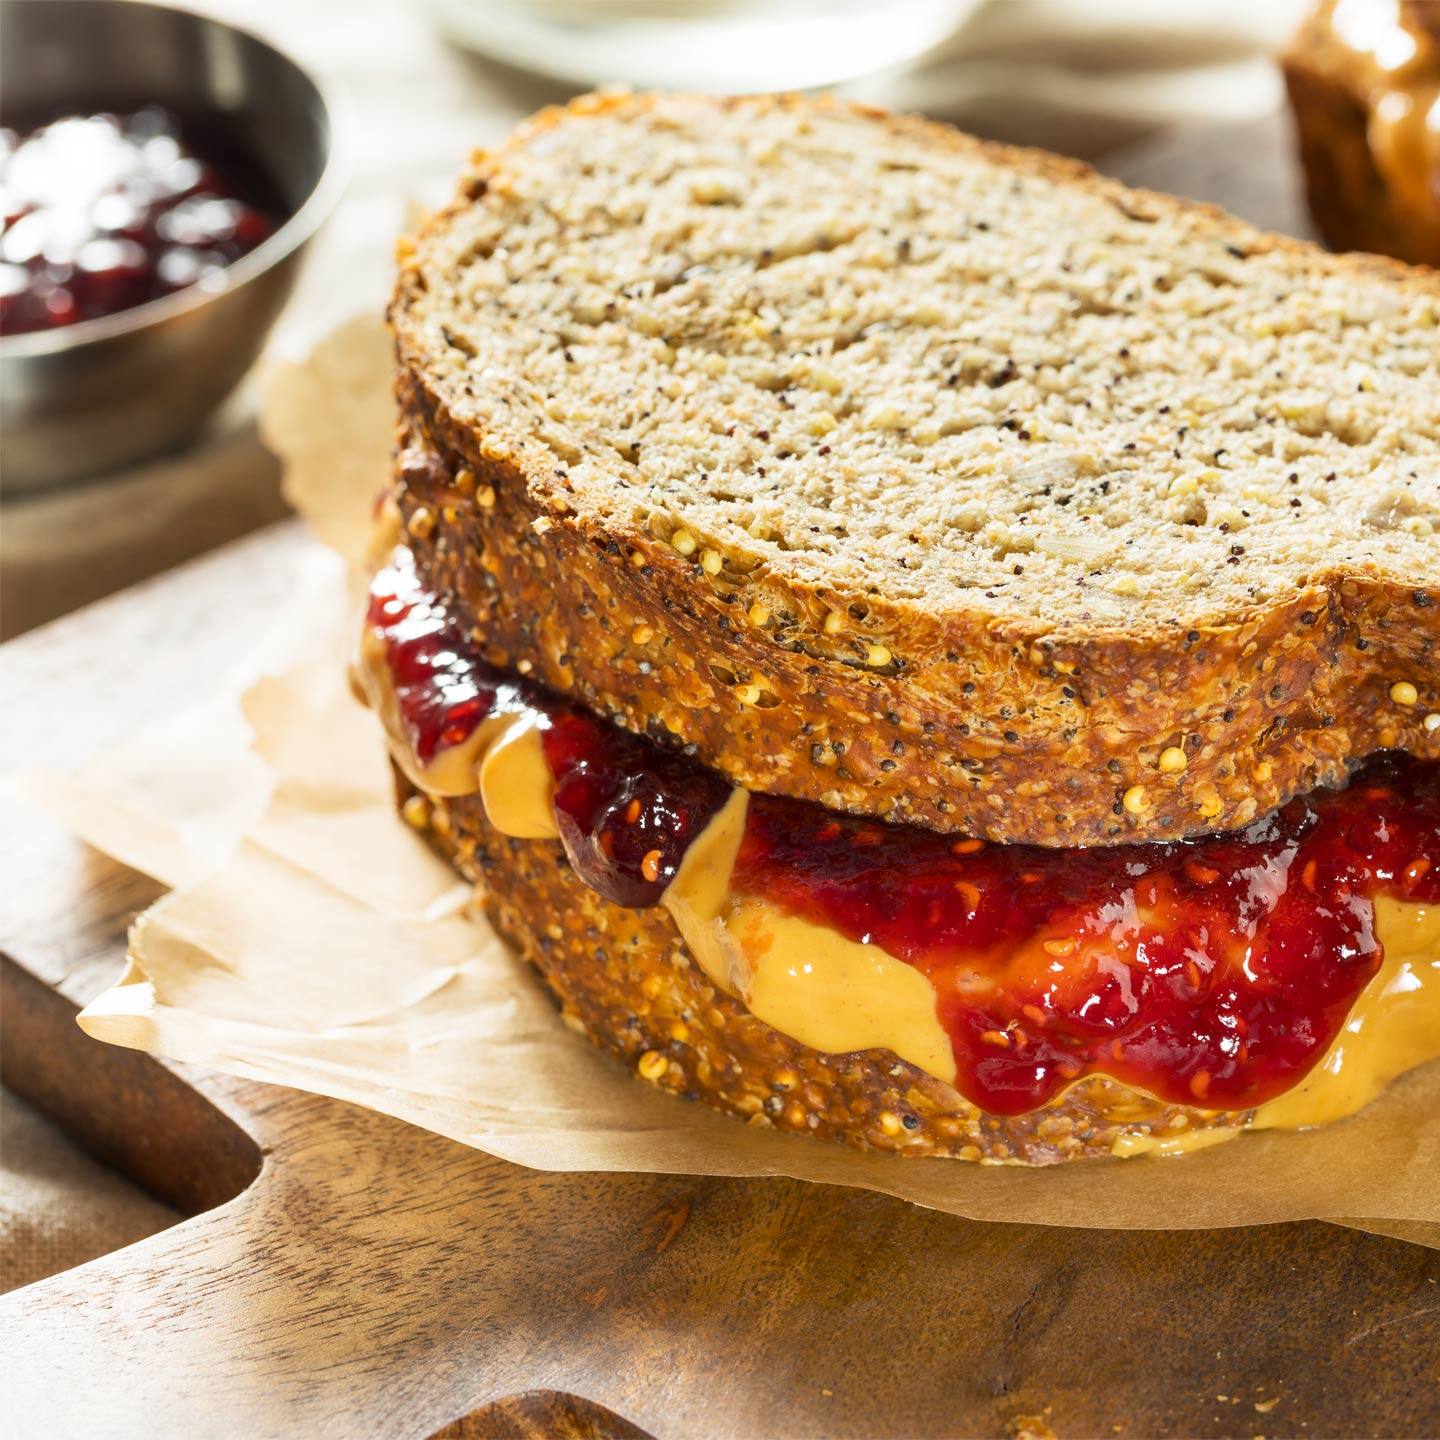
(345, 1274)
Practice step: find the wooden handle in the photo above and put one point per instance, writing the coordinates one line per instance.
(541, 1415)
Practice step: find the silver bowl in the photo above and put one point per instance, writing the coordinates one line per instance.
(105, 392)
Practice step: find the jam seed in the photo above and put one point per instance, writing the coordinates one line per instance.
(1061, 947)
(967, 847)
(969, 893)
(650, 866)
(632, 812)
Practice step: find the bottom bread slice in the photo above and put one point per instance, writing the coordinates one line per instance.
(625, 979)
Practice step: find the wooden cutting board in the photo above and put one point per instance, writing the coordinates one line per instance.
(344, 1274)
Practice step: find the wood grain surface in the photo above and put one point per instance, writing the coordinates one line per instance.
(345, 1274)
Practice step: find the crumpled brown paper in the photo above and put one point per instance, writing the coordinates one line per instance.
(331, 951)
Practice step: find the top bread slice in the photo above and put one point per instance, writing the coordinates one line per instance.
(923, 477)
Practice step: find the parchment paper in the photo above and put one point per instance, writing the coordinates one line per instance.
(314, 941)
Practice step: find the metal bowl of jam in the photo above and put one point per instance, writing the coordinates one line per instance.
(160, 173)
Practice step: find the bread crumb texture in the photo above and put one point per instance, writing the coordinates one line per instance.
(846, 352)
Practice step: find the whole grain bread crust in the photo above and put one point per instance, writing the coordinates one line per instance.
(625, 979)
(990, 731)
(995, 726)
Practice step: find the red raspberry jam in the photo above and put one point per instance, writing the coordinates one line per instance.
(1210, 972)
(105, 212)
(442, 686)
(626, 809)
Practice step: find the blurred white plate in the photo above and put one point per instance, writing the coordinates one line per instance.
(721, 46)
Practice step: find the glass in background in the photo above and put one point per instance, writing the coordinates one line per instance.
(722, 46)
